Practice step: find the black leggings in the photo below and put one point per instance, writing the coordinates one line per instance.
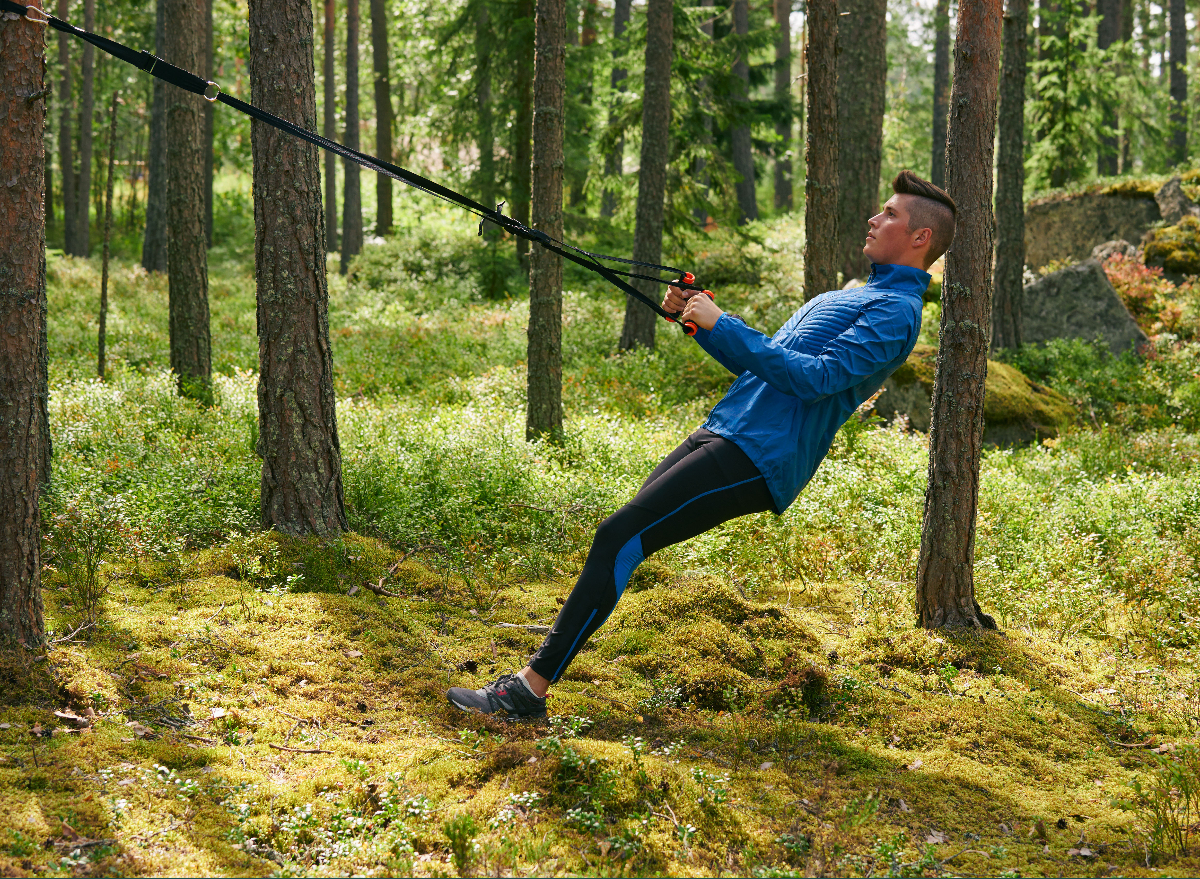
(705, 467)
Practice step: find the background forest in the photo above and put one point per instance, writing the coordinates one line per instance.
(220, 697)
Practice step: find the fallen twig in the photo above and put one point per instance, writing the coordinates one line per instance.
(893, 689)
(298, 750)
(536, 629)
(81, 628)
(215, 615)
(378, 589)
(198, 739)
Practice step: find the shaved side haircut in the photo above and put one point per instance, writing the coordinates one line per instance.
(933, 208)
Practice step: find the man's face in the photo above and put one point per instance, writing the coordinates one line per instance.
(888, 238)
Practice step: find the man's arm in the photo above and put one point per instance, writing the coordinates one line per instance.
(880, 334)
(676, 301)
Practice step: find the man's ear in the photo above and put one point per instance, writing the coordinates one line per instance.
(922, 237)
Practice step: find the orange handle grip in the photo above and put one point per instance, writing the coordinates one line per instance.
(690, 327)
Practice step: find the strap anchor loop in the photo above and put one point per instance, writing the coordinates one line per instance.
(211, 92)
(43, 21)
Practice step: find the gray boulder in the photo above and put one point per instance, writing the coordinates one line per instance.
(1101, 252)
(1173, 202)
(1078, 302)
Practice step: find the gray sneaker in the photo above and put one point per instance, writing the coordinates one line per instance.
(506, 696)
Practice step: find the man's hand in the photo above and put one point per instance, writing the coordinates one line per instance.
(676, 299)
(701, 311)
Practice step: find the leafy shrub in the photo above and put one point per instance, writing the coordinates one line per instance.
(1155, 303)
(1175, 248)
(1168, 802)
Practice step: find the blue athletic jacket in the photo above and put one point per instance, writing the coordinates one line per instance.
(796, 388)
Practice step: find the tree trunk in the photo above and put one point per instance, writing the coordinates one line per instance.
(297, 439)
(821, 159)
(108, 212)
(739, 137)
(154, 241)
(66, 151)
(209, 74)
(579, 140)
(383, 115)
(941, 91)
(783, 97)
(47, 168)
(187, 261)
(1010, 182)
(523, 124)
(1107, 32)
(81, 239)
(1125, 164)
(486, 136)
(652, 172)
(704, 92)
(945, 572)
(616, 156)
(352, 227)
(862, 85)
(331, 221)
(22, 314)
(543, 414)
(1179, 107)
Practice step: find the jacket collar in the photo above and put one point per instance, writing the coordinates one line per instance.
(899, 278)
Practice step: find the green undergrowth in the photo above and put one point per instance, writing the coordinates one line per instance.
(239, 702)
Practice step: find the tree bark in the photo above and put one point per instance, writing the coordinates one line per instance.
(187, 259)
(783, 97)
(1010, 182)
(739, 137)
(640, 321)
(945, 572)
(1179, 106)
(298, 438)
(383, 115)
(66, 146)
(821, 159)
(81, 239)
(941, 91)
(543, 414)
(108, 212)
(616, 156)
(331, 218)
(523, 123)
(1108, 32)
(862, 85)
(154, 240)
(704, 92)
(209, 143)
(22, 316)
(1124, 164)
(352, 226)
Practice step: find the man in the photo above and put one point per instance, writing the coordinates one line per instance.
(765, 439)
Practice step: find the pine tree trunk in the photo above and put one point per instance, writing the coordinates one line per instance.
(383, 115)
(1125, 164)
(1010, 182)
(209, 143)
(154, 240)
(187, 260)
(48, 170)
(945, 572)
(331, 220)
(941, 90)
(783, 97)
(22, 314)
(298, 438)
(66, 143)
(1107, 32)
(81, 239)
(1179, 106)
(580, 140)
(543, 416)
(739, 137)
(108, 215)
(821, 153)
(652, 173)
(699, 164)
(523, 123)
(486, 136)
(352, 225)
(862, 85)
(615, 158)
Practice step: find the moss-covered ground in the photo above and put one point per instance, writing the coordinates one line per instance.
(759, 704)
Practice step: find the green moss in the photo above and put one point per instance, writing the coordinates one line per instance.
(1175, 248)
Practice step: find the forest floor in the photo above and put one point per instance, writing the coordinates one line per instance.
(245, 703)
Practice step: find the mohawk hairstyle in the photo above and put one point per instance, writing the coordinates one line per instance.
(932, 209)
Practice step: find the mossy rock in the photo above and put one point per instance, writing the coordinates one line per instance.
(1175, 249)
(1015, 409)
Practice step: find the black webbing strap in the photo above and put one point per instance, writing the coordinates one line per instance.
(183, 79)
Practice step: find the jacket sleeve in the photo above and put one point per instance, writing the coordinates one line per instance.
(703, 338)
(880, 334)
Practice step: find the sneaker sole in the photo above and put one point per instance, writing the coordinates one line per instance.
(471, 709)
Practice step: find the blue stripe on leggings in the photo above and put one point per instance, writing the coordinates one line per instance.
(573, 643)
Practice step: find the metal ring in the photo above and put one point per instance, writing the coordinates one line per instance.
(42, 21)
(212, 92)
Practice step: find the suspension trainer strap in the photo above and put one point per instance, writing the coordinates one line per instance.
(211, 92)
